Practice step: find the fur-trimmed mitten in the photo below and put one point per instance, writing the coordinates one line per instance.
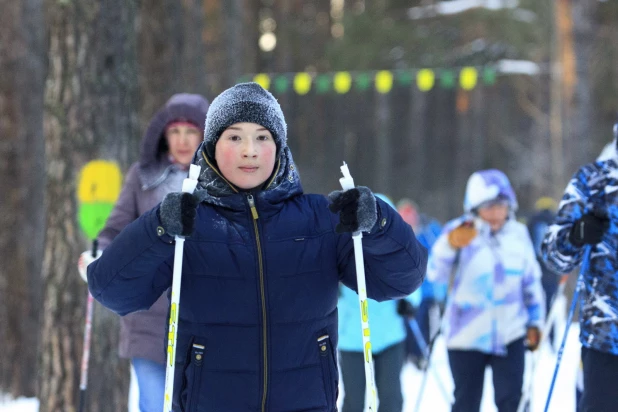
(356, 207)
(177, 213)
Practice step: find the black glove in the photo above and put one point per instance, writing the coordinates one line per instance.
(177, 213)
(356, 207)
(589, 229)
(405, 308)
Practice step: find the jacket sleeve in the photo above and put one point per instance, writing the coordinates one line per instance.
(442, 256)
(125, 210)
(394, 260)
(559, 253)
(135, 269)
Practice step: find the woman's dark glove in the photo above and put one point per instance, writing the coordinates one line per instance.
(177, 213)
(588, 229)
(405, 308)
(356, 207)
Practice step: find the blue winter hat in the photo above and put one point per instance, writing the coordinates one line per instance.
(245, 102)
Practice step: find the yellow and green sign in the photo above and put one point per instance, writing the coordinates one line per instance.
(98, 189)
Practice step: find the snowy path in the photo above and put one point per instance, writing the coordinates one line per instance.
(563, 399)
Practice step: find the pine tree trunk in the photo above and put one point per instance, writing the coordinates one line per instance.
(90, 100)
(22, 64)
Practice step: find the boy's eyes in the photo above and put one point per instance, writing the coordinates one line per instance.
(235, 137)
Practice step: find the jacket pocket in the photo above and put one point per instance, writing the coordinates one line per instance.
(192, 376)
(330, 374)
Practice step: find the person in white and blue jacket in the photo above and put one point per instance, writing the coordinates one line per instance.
(388, 336)
(496, 305)
(257, 328)
(587, 219)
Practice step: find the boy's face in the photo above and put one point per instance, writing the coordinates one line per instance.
(245, 154)
(183, 140)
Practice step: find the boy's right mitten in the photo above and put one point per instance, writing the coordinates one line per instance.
(177, 213)
(462, 235)
(589, 229)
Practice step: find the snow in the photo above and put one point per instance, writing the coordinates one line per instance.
(563, 399)
(518, 67)
(459, 6)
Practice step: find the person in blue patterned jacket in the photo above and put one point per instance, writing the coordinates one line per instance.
(587, 218)
(257, 328)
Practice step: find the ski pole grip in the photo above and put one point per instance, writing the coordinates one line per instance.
(190, 183)
(346, 181)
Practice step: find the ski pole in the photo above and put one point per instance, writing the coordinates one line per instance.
(348, 183)
(580, 281)
(421, 390)
(422, 344)
(418, 335)
(83, 381)
(188, 186)
(549, 323)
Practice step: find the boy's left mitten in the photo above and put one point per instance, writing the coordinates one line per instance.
(356, 208)
(177, 213)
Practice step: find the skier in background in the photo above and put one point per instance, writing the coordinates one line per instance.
(587, 218)
(167, 149)
(496, 306)
(431, 295)
(262, 262)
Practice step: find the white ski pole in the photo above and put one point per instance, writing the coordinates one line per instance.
(348, 183)
(83, 380)
(188, 186)
(549, 323)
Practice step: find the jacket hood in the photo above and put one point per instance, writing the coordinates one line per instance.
(182, 106)
(214, 189)
(486, 185)
(152, 159)
(610, 150)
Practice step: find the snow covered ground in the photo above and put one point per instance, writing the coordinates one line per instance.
(563, 399)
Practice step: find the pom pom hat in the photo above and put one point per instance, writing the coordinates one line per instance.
(245, 102)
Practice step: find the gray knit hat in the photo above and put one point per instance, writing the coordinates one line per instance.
(245, 102)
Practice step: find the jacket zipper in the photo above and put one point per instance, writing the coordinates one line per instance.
(254, 215)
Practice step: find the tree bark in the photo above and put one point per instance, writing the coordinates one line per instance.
(22, 165)
(91, 100)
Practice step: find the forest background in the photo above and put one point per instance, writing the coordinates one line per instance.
(414, 95)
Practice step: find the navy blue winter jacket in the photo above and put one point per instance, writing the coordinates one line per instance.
(258, 305)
